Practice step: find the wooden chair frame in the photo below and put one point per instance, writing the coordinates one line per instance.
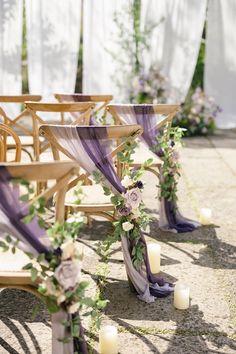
(101, 101)
(84, 108)
(169, 109)
(130, 133)
(60, 171)
(14, 122)
(3, 143)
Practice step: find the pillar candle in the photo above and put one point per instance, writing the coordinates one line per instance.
(205, 216)
(154, 256)
(108, 340)
(181, 296)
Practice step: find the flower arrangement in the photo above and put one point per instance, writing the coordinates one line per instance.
(150, 87)
(129, 206)
(57, 272)
(198, 114)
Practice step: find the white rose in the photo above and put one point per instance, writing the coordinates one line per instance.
(68, 274)
(126, 181)
(71, 249)
(193, 110)
(67, 250)
(73, 308)
(127, 226)
(61, 298)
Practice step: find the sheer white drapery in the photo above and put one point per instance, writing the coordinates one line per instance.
(220, 62)
(175, 41)
(53, 29)
(100, 37)
(11, 20)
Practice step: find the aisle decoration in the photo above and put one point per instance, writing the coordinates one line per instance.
(56, 260)
(91, 147)
(163, 145)
(198, 114)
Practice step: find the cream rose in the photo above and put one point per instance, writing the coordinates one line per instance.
(73, 308)
(71, 249)
(126, 182)
(136, 213)
(127, 226)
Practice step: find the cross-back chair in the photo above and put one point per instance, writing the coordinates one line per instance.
(125, 114)
(94, 202)
(5, 132)
(22, 123)
(61, 173)
(37, 109)
(101, 101)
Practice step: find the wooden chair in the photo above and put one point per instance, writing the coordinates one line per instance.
(24, 129)
(5, 132)
(37, 109)
(61, 173)
(142, 152)
(94, 202)
(101, 101)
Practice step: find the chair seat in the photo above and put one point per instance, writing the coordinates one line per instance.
(93, 199)
(11, 272)
(143, 153)
(26, 140)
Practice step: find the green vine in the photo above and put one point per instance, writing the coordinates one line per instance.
(167, 145)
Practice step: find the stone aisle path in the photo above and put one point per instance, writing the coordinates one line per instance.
(205, 259)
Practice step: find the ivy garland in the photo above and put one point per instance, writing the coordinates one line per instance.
(167, 143)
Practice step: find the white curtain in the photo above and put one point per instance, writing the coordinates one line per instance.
(53, 35)
(220, 62)
(175, 42)
(11, 17)
(100, 42)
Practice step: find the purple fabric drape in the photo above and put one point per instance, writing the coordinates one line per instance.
(35, 238)
(145, 116)
(96, 144)
(16, 210)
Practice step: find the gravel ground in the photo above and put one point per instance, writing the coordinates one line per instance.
(205, 259)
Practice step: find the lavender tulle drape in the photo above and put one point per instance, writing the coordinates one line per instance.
(170, 216)
(32, 239)
(92, 150)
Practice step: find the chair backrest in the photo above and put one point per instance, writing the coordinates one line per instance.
(14, 122)
(101, 101)
(5, 132)
(62, 172)
(66, 139)
(120, 112)
(38, 108)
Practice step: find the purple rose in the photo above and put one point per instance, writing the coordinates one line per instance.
(133, 198)
(139, 184)
(124, 210)
(68, 274)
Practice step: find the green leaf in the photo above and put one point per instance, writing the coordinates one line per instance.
(28, 266)
(9, 239)
(52, 305)
(24, 198)
(27, 219)
(4, 246)
(34, 274)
